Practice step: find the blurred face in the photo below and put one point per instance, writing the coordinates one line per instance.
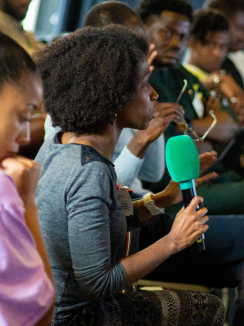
(169, 32)
(210, 55)
(17, 102)
(236, 22)
(15, 8)
(140, 111)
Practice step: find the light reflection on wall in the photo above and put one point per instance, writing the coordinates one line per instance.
(29, 22)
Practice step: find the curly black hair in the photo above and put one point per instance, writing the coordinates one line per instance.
(90, 75)
(147, 8)
(207, 21)
(229, 7)
(14, 61)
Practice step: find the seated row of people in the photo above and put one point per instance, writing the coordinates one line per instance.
(78, 189)
(89, 275)
(101, 15)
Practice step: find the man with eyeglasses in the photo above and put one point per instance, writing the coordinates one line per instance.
(167, 25)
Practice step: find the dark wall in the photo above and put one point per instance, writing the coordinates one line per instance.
(59, 16)
(196, 3)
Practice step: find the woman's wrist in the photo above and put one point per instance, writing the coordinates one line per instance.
(139, 144)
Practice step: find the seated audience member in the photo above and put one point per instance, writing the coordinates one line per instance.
(128, 166)
(167, 26)
(77, 188)
(12, 12)
(146, 161)
(234, 10)
(208, 46)
(26, 291)
(225, 246)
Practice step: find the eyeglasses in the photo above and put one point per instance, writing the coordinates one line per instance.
(188, 129)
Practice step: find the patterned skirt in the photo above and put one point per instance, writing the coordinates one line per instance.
(156, 308)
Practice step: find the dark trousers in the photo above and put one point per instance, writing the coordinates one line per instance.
(221, 265)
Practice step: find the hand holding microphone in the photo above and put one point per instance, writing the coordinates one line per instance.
(188, 225)
(182, 161)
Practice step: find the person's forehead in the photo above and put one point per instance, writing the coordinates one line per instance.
(170, 18)
(218, 37)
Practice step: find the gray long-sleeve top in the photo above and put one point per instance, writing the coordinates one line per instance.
(82, 223)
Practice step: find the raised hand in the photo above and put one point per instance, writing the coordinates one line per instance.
(164, 114)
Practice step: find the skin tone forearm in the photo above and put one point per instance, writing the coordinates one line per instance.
(225, 129)
(31, 217)
(189, 224)
(139, 144)
(143, 262)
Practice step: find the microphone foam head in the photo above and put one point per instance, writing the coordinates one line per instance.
(182, 158)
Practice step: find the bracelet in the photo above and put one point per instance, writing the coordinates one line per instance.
(149, 204)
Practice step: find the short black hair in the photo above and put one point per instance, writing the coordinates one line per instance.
(147, 8)
(206, 21)
(109, 12)
(14, 61)
(90, 75)
(229, 7)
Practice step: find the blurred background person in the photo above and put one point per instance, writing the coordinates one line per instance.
(234, 10)
(208, 47)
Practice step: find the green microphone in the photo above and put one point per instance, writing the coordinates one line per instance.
(183, 164)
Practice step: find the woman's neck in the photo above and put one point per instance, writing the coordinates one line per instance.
(104, 143)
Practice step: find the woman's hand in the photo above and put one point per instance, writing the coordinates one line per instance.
(164, 114)
(189, 224)
(25, 173)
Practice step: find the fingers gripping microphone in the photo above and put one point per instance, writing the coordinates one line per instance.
(183, 164)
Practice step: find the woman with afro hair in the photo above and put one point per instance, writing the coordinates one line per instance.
(95, 84)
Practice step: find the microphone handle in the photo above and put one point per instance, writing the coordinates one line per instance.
(187, 195)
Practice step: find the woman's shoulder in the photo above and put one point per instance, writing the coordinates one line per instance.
(9, 196)
(7, 186)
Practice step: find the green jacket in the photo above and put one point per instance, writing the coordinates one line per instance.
(168, 82)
